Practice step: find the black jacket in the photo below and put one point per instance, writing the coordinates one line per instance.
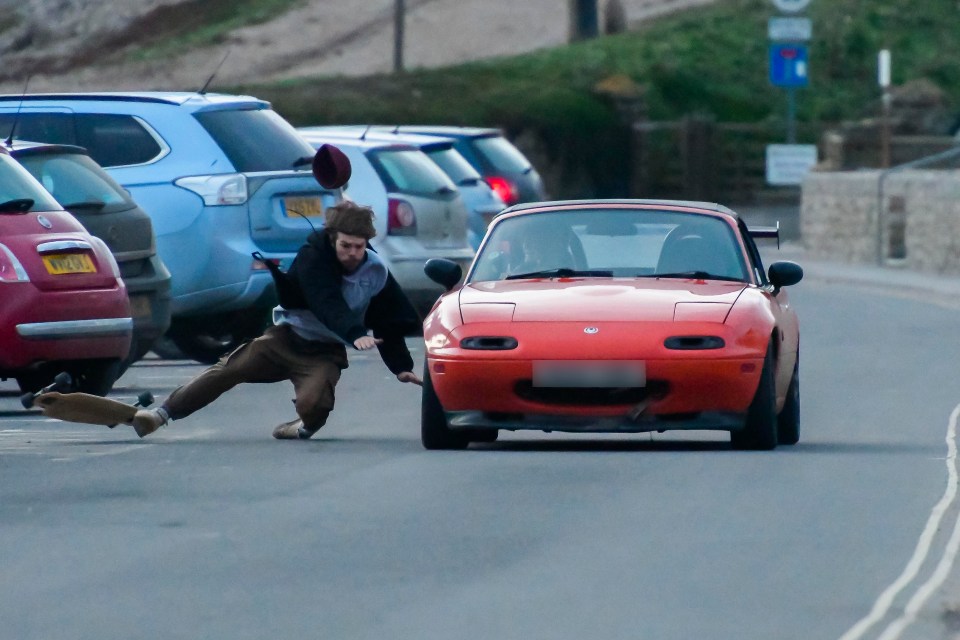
(314, 282)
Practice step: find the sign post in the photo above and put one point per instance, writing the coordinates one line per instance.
(883, 79)
(789, 68)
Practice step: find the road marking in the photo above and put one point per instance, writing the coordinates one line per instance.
(882, 606)
(59, 443)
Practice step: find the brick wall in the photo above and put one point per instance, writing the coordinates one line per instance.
(919, 218)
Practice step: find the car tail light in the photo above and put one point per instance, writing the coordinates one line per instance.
(217, 190)
(504, 188)
(401, 220)
(10, 268)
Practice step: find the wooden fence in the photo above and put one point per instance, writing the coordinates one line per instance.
(698, 159)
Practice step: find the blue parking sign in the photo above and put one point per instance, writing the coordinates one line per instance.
(788, 65)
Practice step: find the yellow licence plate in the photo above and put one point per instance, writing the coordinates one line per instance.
(310, 207)
(61, 263)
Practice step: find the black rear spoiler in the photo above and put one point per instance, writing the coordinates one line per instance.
(766, 232)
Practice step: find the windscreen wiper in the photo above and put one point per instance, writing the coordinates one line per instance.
(86, 204)
(694, 275)
(302, 162)
(17, 205)
(562, 272)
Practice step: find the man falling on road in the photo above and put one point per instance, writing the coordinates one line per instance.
(336, 291)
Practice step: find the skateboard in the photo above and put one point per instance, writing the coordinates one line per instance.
(56, 401)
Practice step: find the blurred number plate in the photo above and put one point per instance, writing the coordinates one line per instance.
(60, 263)
(310, 207)
(589, 373)
(140, 306)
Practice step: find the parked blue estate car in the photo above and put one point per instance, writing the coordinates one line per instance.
(221, 176)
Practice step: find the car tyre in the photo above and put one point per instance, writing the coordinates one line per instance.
(759, 431)
(484, 435)
(95, 377)
(206, 339)
(434, 431)
(788, 422)
(207, 348)
(33, 381)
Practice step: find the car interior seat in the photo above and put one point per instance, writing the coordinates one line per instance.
(690, 252)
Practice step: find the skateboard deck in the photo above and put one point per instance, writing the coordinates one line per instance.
(89, 409)
(55, 401)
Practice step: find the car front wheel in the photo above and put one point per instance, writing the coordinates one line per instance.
(759, 431)
(788, 422)
(434, 431)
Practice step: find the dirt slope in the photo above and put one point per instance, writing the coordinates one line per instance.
(82, 45)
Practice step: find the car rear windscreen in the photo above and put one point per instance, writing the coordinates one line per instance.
(410, 171)
(454, 165)
(77, 181)
(501, 155)
(256, 139)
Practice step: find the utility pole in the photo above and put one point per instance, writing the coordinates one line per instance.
(399, 18)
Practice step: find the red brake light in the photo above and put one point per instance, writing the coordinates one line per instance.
(401, 219)
(503, 188)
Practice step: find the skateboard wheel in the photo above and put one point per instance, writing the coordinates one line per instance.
(145, 399)
(27, 400)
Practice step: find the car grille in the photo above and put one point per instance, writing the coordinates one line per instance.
(594, 396)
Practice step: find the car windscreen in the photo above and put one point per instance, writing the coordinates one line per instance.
(454, 165)
(76, 181)
(18, 188)
(409, 171)
(500, 154)
(629, 243)
(255, 139)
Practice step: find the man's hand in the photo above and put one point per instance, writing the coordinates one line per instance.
(409, 376)
(366, 342)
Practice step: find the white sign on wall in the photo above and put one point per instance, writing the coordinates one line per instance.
(791, 6)
(789, 29)
(787, 164)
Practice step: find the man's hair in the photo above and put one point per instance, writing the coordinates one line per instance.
(350, 218)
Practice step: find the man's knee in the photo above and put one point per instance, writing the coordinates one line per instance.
(315, 405)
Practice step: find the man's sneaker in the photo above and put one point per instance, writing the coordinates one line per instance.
(146, 421)
(293, 430)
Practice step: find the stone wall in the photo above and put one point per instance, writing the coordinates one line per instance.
(918, 226)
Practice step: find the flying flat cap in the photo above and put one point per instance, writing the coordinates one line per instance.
(331, 167)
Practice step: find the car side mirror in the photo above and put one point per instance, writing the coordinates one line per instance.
(331, 167)
(785, 273)
(444, 272)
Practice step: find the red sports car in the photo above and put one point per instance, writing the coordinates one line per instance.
(63, 306)
(613, 316)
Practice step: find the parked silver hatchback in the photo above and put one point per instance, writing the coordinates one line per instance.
(482, 201)
(420, 213)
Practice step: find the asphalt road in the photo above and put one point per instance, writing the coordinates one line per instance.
(211, 529)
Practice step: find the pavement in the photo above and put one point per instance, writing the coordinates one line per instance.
(931, 287)
(938, 289)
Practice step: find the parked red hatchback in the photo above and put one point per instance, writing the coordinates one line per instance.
(64, 306)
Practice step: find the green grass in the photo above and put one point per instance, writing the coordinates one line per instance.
(710, 61)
